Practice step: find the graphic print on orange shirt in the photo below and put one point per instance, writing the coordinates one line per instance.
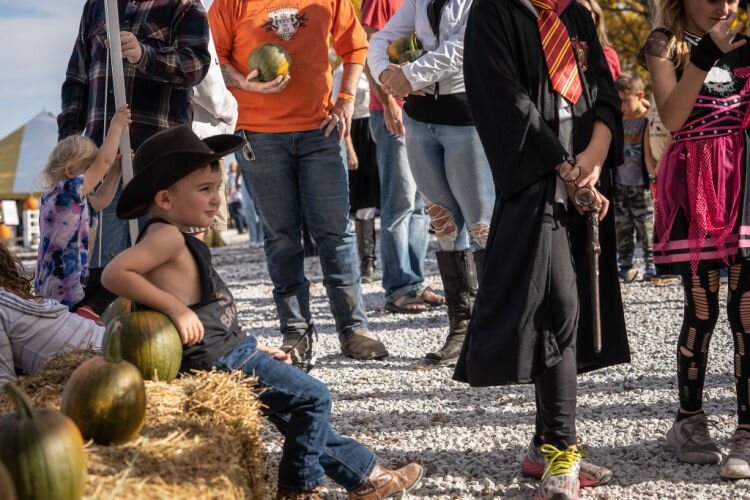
(284, 20)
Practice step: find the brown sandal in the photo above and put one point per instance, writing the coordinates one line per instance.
(400, 305)
(431, 297)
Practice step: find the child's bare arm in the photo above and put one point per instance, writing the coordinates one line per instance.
(108, 152)
(107, 190)
(124, 276)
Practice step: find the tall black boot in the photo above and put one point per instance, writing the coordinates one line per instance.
(366, 248)
(456, 271)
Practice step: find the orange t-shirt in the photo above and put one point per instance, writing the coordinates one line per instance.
(302, 27)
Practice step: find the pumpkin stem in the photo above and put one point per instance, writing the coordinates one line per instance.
(20, 400)
(113, 343)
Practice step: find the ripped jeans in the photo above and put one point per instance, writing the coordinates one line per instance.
(452, 173)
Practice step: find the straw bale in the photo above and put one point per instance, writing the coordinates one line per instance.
(201, 437)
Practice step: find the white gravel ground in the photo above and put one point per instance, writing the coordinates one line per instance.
(470, 440)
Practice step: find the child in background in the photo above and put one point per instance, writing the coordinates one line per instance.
(33, 329)
(699, 72)
(176, 182)
(75, 167)
(634, 209)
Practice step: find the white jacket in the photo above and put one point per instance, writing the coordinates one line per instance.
(444, 57)
(214, 107)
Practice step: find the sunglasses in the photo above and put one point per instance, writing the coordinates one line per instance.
(247, 151)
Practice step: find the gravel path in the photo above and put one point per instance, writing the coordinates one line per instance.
(470, 440)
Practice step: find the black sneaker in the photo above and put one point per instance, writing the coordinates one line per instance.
(301, 348)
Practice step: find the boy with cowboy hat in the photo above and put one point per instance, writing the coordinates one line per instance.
(176, 183)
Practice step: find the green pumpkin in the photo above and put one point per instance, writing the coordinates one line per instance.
(106, 396)
(117, 308)
(405, 49)
(43, 451)
(151, 342)
(271, 61)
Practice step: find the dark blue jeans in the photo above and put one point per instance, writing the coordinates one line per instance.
(300, 408)
(296, 175)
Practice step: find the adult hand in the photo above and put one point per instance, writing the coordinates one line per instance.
(272, 87)
(188, 324)
(394, 120)
(340, 115)
(131, 47)
(723, 34)
(394, 81)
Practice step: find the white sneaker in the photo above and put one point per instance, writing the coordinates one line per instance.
(692, 442)
(737, 464)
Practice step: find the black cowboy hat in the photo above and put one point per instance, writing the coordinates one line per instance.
(165, 158)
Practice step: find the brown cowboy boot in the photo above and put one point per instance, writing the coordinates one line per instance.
(385, 483)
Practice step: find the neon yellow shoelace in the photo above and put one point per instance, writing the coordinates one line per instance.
(559, 461)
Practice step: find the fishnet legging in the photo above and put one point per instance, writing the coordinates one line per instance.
(700, 315)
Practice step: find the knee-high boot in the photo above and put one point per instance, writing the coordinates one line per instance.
(459, 282)
(365, 229)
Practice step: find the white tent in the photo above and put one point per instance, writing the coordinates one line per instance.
(23, 155)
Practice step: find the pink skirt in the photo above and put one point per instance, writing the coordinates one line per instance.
(699, 221)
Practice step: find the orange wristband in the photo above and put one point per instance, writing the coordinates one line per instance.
(346, 97)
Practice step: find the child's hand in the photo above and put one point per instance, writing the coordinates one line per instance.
(723, 34)
(188, 325)
(122, 117)
(275, 353)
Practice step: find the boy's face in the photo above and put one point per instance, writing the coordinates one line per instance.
(194, 199)
(631, 103)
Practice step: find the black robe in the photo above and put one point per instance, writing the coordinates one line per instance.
(516, 114)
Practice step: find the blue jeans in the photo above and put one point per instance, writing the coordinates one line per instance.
(403, 222)
(452, 172)
(295, 175)
(254, 226)
(300, 408)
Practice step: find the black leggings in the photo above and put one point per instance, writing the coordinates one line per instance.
(699, 320)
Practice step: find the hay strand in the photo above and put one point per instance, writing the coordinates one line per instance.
(201, 439)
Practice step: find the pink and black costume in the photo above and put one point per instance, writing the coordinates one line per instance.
(702, 220)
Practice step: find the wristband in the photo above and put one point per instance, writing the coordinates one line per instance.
(705, 54)
(346, 97)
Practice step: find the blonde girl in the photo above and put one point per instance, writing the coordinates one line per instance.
(699, 69)
(75, 167)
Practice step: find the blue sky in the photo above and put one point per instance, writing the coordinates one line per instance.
(36, 39)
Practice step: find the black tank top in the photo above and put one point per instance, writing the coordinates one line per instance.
(216, 310)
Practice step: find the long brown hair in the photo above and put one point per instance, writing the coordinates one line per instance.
(601, 25)
(671, 14)
(13, 277)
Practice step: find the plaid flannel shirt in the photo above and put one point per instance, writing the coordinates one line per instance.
(174, 36)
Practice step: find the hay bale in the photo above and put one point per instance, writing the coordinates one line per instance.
(201, 438)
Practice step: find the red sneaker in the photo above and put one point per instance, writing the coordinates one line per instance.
(589, 476)
(88, 313)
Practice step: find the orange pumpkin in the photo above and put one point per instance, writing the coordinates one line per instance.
(31, 203)
(5, 232)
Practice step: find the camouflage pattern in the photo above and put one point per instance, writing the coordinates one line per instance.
(634, 213)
